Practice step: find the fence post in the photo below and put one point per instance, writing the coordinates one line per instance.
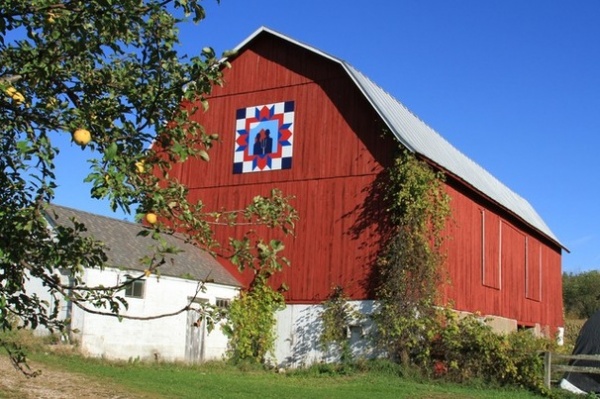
(547, 368)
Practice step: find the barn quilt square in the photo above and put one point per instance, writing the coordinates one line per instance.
(264, 138)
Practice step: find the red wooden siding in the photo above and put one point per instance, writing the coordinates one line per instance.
(533, 270)
(338, 157)
(328, 248)
(492, 269)
(332, 171)
(519, 274)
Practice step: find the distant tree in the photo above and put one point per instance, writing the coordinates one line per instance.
(108, 75)
(581, 294)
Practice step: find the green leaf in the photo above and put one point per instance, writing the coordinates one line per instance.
(24, 146)
(111, 151)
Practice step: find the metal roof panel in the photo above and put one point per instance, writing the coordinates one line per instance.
(418, 137)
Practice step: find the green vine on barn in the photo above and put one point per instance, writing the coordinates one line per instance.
(337, 316)
(410, 265)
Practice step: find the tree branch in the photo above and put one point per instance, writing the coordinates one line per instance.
(11, 78)
(78, 303)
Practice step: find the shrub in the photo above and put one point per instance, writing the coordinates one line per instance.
(251, 324)
(467, 348)
(572, 328)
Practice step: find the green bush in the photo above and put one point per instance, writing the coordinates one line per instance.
(580, 294)
(251, 324)
(467, 348)
(337, 315)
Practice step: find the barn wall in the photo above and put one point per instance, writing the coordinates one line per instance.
(329, 114)
(338, 158)
(335, 243)
(332, 172)
(160, 339)
(498, 267)
(299, 328)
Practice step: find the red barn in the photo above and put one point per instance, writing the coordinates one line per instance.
(295, 118)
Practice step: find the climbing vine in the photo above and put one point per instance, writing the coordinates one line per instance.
(410, 265)
(251, 319)
(337, 315)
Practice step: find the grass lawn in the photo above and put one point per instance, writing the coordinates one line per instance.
(218, 380)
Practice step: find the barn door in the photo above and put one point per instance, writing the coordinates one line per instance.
(195, 334)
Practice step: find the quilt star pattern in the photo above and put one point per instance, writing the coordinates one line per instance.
(264, 137)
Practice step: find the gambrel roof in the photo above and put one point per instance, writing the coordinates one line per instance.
(421, 139)
(125, 247)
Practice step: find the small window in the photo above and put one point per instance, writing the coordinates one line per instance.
(134, 289)
(355, 332)
(223, 303)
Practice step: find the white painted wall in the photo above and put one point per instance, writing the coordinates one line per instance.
(299, 328)
(162, 339)
(34, 286)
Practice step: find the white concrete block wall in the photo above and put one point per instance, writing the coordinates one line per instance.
(298, 326)
(299, 329)
(163, 339)
(35, 286)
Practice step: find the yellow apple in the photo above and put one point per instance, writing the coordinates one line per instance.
(82, 136)
(11, 91)
(18, 98)
(140, 166)
(15, 95)
(151, 218)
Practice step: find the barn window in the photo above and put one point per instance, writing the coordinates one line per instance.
(135, 288)
(526, 327)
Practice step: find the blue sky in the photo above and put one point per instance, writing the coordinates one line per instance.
(513, 84)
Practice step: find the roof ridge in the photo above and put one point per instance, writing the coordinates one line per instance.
(415, 134)
(96, 215)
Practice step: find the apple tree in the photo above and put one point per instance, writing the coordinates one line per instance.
(108, 75)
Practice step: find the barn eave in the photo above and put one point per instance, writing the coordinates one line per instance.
(415, 135)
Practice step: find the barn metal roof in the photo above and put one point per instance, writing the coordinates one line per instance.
(419, 138)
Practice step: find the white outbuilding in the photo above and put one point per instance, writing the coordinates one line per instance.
(181, 337)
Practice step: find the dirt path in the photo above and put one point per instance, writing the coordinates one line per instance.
(54, 384)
